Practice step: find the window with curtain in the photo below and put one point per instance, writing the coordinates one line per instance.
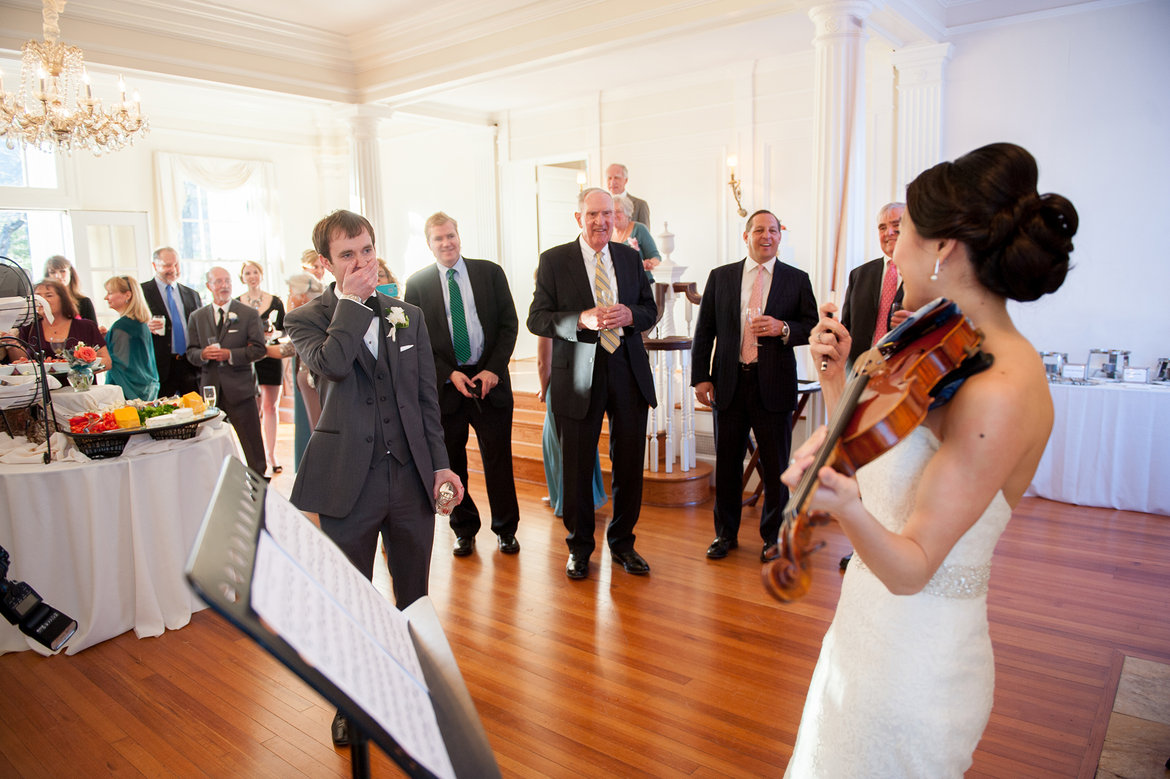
(218, 211)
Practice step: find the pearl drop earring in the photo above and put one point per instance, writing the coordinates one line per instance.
(934, 276)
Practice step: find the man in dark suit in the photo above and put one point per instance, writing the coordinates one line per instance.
(616, 176)
(593, 300)
(376, 459)
(473, 328)
(754, 312)
(175, 303)
(224, 338)
(865, 313)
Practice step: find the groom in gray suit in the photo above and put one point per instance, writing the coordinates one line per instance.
(376, 459)
(224, 338)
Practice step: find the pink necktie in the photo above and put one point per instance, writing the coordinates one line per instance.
(889, 289)
(749, 348)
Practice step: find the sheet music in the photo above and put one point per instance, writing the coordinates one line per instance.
(326, 564)
(309, 593)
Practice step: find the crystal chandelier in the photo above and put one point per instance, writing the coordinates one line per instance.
(54, 107)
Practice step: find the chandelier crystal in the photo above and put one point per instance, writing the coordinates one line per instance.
(54, 107)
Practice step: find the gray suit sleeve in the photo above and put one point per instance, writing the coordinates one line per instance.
(428, 399)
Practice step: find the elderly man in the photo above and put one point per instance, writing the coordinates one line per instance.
(616, 176)
(593, 299)
(175, 303)
(473, 326)
(874, 288)
(754, 312)
(224, 338)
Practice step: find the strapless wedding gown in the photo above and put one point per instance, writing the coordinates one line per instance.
(903, 686)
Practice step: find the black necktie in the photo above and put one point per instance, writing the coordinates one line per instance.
(219, 321)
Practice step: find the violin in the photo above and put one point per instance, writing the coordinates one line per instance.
(917, 366)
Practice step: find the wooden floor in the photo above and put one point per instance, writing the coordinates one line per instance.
(692, 671)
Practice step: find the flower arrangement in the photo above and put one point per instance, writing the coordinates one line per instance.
(397, 317)
(81, 355)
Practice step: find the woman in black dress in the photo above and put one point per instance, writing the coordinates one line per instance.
(270, 370)
(60, 269)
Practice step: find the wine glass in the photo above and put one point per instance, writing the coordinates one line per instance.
(209, 396)
(751, 313)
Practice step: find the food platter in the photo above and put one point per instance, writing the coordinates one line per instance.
(111, 443)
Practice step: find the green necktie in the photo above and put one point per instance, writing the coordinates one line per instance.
(459, 337)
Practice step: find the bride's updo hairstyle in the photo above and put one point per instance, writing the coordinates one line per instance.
(1018, 240)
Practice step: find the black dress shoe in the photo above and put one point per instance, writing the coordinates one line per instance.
(765, 557)
(845, 561)
(508, 543)
(720, 547)
(464, 545)
(632, 562)
(577, 567)
(340, 730)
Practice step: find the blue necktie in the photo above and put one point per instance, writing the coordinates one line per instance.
(178, 333)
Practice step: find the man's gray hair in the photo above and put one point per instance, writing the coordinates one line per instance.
(586, 193)
(625, 170)
(888, 206)
(160, 250)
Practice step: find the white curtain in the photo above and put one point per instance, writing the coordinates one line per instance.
(172, 170)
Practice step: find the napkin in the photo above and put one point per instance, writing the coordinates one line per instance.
(20, 451)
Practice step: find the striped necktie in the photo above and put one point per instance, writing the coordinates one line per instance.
(604, 294)
(459, 337)
(889, 290)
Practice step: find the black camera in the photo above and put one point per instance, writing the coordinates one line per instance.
(22, 606)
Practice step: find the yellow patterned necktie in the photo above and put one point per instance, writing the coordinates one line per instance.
(604, 294)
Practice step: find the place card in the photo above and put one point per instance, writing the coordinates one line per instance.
(1136, 376)
(1074, 371)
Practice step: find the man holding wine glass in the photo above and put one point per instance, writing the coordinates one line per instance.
(753, 313)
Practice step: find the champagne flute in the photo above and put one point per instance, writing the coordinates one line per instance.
(209, 395)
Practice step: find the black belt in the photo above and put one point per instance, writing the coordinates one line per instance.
(748, 366)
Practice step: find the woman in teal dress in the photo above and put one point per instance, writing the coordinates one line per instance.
(129, 340)
(634, 234)
(550, 443)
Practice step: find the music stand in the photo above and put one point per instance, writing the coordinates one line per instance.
(221, 570)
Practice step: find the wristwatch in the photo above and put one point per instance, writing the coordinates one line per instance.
(784, 331)
(354, 298)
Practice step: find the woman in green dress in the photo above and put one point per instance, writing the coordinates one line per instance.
(129, 340)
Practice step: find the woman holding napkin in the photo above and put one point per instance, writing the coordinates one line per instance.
(64, 332)
(129, 341)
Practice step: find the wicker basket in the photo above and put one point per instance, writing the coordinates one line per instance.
(177, 433)
(99, 446)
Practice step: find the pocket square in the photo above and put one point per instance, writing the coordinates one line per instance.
(405, 347)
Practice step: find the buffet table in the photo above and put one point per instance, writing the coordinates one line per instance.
(106, 541)
(1110, 447)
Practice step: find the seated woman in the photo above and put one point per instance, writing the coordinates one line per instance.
(130, 344)
(634, 234)
(66, 330)
(60, 269)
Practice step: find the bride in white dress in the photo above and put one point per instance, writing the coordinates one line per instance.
(903, 686)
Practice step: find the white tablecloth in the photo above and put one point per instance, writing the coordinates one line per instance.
(1110, 447)
(68, 403)
(106, 541)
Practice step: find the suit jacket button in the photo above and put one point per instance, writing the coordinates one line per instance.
(386, 420)
(369, 401)
(369, 439)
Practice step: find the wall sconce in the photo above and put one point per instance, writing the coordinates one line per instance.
(735, 186)
(580, 181)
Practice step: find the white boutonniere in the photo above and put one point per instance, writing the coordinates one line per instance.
(233, 316)
(396, 317)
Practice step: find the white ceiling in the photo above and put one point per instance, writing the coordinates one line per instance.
(467, 58)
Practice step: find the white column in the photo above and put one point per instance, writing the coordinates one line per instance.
(920, 105)
(366, 181)
(839, 130)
